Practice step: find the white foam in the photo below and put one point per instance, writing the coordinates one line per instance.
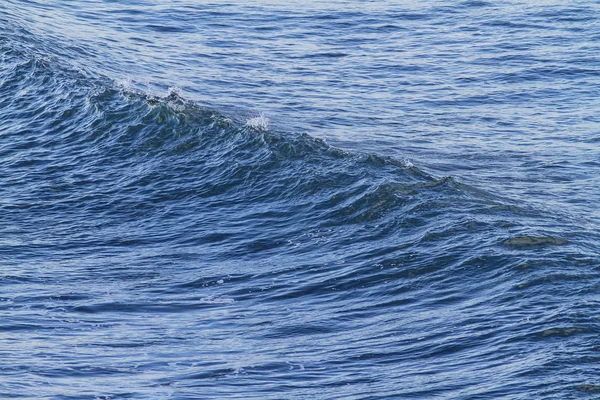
(260, 123)
(174, 91)
(174, 97)
(125, 83)
(217, 300)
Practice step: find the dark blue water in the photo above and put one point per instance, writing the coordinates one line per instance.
(365, 200)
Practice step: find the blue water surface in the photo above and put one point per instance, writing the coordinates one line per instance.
(316, 200)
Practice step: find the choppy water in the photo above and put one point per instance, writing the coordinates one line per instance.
(308, 201)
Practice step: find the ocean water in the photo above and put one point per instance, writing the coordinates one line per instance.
(315, 200)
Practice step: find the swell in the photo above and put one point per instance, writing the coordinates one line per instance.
(95, 151)
(119, 204)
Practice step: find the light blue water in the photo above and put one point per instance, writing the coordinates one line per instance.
(308, 201)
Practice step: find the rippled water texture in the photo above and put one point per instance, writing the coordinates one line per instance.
(303, 201)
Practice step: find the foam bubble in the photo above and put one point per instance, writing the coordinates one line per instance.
(260, 123)
(174, 98)
(217, 300)
(125, 83)
(174, 92)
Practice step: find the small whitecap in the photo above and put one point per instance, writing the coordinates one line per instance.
(125, 83)
(174, 98)
(174, 91)
(260, 123)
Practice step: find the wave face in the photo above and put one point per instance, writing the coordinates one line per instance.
(164, 243)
